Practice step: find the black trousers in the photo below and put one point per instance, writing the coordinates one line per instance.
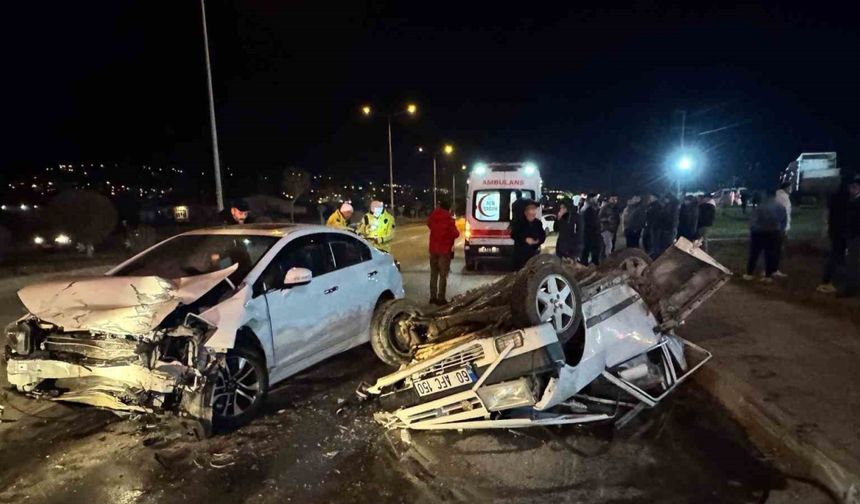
(767, 242)
(591, 251)
(632, 238)
(838, 245)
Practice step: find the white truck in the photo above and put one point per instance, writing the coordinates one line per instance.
(813, 173)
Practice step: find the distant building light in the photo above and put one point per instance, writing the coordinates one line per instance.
(38, 240)
(24, 207)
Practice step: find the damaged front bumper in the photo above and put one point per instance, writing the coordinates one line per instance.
(625, 358)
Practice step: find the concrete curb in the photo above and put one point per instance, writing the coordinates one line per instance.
(803, 453)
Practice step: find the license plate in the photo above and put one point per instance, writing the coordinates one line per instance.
(452, 379)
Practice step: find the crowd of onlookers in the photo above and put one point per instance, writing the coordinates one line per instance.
(588, 232)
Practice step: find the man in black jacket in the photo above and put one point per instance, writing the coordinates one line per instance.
(527, 233)
(707, 214)
(568, 225)
(852, 239)
(591, 238)
(688, 220)
(837, 217)
(238, 213)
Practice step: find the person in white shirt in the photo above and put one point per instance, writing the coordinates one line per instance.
(783, 199)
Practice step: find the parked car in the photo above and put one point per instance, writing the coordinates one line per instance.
(548, 221)
(203, 322)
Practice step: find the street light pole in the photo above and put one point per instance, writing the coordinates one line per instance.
(390, 168)
(434, 181)
(219, 194)
(454, 193)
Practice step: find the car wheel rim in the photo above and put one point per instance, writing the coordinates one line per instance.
(236, 387)
(400, 336)
(556, 303)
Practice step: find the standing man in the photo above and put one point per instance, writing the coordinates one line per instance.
(688, 218)
(609, 221)
(852, 238)
(837, 225)
(238, 213)
(377, 226)
(767, 223)
(443, 233)
(633, 219)
(745, 199)
(568, 225)
(784, 200)
(528, 234)
(707, 214)
(339, 219)
(591, 231)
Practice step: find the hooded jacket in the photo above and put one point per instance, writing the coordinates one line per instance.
(443, 231)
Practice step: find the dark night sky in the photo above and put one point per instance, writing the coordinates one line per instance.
(592, 94)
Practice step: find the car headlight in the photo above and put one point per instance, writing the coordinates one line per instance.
(19, 338)
(515, 339)
(62, 239)
(507, 395)
(38, 240)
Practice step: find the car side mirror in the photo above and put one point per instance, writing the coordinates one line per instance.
(297, 276)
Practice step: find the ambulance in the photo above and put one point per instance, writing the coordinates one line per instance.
(492, 189)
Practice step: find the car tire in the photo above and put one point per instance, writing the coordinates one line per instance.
(384, 337)
(242, 373)
(632, 260)
(549, 294)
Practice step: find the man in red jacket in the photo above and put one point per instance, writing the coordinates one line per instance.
(443, 232)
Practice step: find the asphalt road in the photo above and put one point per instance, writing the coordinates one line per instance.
(316, 443)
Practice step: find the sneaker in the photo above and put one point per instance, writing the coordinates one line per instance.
(767, 280)
(748, 277)
(826, 288)
(779, 274)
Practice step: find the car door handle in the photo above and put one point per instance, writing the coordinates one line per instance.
(330, 290)
(372, 274)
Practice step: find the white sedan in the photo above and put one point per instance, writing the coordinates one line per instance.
(203, 322)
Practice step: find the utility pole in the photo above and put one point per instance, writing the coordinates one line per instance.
(683, 131)
(219, 194)
(434, 181)
(454, 193)
(390, 169)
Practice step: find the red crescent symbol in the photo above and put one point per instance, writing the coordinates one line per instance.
(481, 204)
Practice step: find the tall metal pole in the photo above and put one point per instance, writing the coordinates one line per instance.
(219, 194)
(454, 193)
(434, 180)
(390, 168)
(683, 131)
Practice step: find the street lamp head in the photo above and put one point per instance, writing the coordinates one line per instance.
(420, 149)
(412, 108)
(366, 110)
(463, 167)
(685, 163)
(448, 149)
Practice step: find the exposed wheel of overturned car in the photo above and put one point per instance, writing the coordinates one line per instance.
(631, 260)
(389, 335)
(240, 388)
(549, 294)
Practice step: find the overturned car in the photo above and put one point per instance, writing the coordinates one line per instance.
(556, 343)
(201, 323)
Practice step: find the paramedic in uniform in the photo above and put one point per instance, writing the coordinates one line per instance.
(377, 226)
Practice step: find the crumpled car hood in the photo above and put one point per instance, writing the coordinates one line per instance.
(115, 304)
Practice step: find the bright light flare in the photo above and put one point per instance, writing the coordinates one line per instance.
(412, 108)
(685, 163)
(62, 239)
(530, 168)
(366, 110)
(38, 240)
(448, 149)
(480, 169)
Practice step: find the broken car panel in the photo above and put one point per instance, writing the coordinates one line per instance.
(201, 323)
(622, 358)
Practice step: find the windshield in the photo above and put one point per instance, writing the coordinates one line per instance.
(495, 205)
(190, 255)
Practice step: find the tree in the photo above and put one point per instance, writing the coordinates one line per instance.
(87, 216)
(295, 183)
